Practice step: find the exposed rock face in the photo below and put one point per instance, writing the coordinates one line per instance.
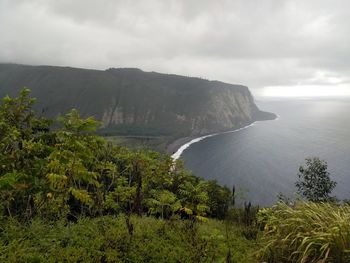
(130, 101)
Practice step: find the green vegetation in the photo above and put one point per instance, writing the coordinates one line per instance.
(314, 182)
(69, 172)
(306, 232)
(60, 187)
(68, 195)
(106, 239)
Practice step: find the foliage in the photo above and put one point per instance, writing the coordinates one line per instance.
(246, 217)
(68, 195)
(314, 181)
(106, 239)
(60, 169)
(308, 232)
(219, 199)
(23, 146)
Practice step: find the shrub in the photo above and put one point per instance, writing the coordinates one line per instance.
(106, 239)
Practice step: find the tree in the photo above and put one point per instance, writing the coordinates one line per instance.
(314, 182)
(60, 169)
(194, 197)
(23, 144)
(219, 199)
(163, 202)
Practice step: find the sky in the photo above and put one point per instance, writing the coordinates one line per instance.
(275, 47)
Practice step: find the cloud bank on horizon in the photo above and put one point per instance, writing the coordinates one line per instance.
(277, 48)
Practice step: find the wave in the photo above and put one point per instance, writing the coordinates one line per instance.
(179, 152)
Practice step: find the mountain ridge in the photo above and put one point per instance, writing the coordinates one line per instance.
(129, 101)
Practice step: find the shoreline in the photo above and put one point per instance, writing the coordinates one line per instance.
(174, 146)
(177, 147)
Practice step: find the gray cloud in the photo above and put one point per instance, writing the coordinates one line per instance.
(256, 43)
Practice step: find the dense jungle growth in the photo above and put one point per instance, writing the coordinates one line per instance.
(61, 169)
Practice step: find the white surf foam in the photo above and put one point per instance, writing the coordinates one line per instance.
(179, 152)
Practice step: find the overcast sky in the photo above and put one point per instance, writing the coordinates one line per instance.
(275, 47)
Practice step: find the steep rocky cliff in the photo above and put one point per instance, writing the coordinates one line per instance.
(130, 101)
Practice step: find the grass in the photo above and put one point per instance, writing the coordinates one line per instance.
(307, 232)
(106, 239)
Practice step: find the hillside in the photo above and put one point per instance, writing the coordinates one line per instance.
(66, 195)
(130, 101)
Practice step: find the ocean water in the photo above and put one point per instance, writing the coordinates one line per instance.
(263, 160)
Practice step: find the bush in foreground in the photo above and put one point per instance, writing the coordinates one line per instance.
(307, 232)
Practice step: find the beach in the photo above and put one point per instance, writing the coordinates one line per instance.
(177, 147)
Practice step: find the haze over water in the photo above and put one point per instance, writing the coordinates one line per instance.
(263, 160)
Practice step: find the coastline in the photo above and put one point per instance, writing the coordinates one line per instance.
(177, 147)
(174, 146)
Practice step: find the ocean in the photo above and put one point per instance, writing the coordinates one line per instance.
(263, 159)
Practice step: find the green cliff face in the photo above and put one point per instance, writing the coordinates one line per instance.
(130, 101)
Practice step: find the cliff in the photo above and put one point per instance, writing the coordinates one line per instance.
(133, 102)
